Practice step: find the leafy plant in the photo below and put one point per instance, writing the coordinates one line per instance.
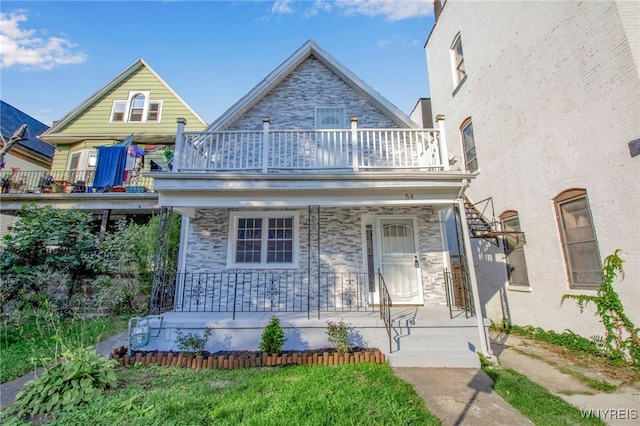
(339, 336)
(273, 338)
(79, 377)
(192, 343)
(621, 335)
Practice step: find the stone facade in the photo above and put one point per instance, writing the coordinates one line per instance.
(291, 105)
(341, 246)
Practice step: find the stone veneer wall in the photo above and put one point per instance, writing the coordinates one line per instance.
(291, 105)
(340, 246)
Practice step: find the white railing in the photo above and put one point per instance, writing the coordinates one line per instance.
(310, 150)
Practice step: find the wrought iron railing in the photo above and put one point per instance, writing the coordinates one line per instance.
(273, 291)
(457, 292)
(385, 306)
(17, 181)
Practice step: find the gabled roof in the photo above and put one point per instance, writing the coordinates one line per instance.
(110, 86)
(12, 118)
(307, 50)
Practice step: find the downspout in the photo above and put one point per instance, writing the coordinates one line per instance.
(482, 332)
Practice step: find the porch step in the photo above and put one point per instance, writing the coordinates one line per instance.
(421, 337)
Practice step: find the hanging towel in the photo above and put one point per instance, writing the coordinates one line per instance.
(110, 167)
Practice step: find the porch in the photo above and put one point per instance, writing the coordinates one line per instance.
(420, 336)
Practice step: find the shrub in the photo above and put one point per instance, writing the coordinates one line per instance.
(339, 336)
(192, 343)
(76, 379)
(272, 337)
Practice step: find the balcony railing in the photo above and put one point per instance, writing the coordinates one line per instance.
(275, 291)
(66, 181)
(268, 151)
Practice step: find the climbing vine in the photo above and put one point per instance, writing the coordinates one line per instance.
(621, 336)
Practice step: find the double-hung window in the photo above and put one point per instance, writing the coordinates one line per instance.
(457, 61)
(579, 242)
(469, 145)
(514, 249)
(137, 108)
(263, 240)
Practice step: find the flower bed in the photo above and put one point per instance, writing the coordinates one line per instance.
(247, 359)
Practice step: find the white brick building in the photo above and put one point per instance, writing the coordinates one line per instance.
(546, 97)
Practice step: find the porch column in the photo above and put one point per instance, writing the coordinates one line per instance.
(266, 122)
(354, 143)
(177, 155)
(444, 153)
(484, 338)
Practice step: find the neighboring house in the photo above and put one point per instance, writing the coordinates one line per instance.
(106, 144)
(314, 198)
(422, 114)
(29, 154)
(546, 102)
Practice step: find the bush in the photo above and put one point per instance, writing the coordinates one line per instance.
(77, 378)
(272, 337)
(192, 343)
(339, 336)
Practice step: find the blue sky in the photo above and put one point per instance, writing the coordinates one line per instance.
(55, 54)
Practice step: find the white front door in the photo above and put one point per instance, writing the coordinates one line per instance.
(399, 260)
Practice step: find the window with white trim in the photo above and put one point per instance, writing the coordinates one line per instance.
(457, 61)
(330, 118)
(514, 249)
(579, 243)
(138, 108)
(263, 240)
(469, 145)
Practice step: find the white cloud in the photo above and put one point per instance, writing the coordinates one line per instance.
(23, 48)
(318, 6)
(398, 39)
(393, 10)
(281, 7)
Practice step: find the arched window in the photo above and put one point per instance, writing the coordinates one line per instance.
(578, 236)
(514, 249)
(469, 145)
(136, 109)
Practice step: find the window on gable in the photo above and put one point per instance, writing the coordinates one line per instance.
(263, 239)
(469, 145)
(117, 114)
(457, 61)
(154, 111)
(579, 242)
(138, 108)
(330, 118)
(514, 249)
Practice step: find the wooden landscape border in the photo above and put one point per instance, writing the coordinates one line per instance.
(257, 359)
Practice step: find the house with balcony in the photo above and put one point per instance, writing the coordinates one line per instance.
(104, 146)
(28, 154)
(315, 199)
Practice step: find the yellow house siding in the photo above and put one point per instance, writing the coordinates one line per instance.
(95, 119)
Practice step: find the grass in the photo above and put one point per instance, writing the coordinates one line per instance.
(18, 345)
(355, 394)
(533, 401)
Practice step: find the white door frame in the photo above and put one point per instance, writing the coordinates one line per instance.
(375, 221)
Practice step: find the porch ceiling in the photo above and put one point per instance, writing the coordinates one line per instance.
(134, 202)
(200, 191)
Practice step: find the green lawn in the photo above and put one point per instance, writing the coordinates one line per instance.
(533, 401)
(35, 340)
(355, 394)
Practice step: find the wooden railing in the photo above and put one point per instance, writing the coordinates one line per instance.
(270, 150)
